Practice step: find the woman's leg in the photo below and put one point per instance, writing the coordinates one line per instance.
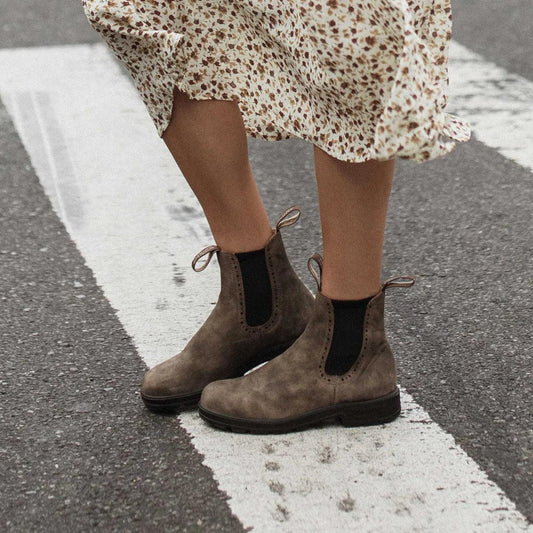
(353, 200)
(208, 141)
(342, 365)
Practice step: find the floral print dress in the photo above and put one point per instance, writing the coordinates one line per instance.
(360, 79)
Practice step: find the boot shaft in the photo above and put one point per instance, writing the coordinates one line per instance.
(291, 301)
(374, 371)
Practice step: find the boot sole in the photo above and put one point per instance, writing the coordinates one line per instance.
(183, 402)
(350, 414)
(171, 404)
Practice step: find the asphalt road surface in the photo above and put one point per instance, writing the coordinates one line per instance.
(78, 450)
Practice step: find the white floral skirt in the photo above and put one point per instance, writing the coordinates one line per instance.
(361, 79)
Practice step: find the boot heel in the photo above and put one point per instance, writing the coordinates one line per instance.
(378, 411)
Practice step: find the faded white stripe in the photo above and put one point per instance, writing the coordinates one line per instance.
(138, 226)
(498, 104)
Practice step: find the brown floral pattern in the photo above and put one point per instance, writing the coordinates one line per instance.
(361, 79)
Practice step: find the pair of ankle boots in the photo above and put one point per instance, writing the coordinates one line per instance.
(265, 314)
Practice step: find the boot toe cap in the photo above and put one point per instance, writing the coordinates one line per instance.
(154, 384)
(232, 398)
(163, 381)
(213, 396)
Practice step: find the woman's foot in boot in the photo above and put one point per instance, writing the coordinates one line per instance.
(331, 372)
(262, 308)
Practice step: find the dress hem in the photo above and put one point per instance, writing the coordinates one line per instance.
(444, 146)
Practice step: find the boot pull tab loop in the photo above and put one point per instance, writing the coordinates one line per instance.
(284, 221)
(317, 258)
(395, 282)
(207, 250)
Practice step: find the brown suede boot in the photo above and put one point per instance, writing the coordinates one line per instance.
(294, 391)
(226, 345)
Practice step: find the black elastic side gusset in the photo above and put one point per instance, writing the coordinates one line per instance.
(257, 289)
(349, 316)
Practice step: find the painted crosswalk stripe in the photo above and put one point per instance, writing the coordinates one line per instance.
(138, 225)
(498, 104)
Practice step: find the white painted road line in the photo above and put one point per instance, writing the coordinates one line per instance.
(138, 225)
(498, 104)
